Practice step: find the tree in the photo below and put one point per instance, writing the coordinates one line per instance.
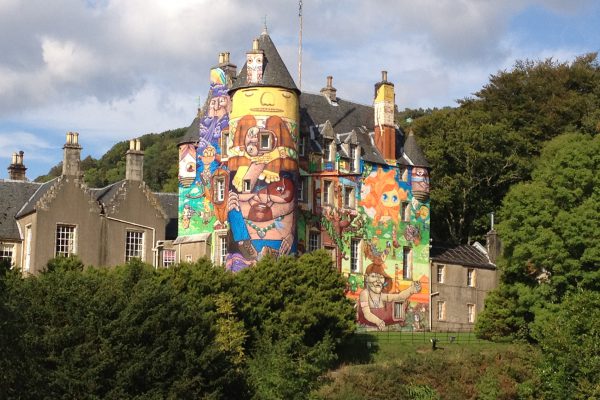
(549, 228)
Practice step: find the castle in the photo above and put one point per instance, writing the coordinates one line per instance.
(267, 170)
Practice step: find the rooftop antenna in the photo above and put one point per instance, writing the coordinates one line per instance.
(265, 31)
(300, 47)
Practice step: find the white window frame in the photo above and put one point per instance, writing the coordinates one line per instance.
(303, 189)
(135, 241)
(220, 188)
(269, 144)
(28, 240)
(398, 311)
(351, 201)
(405, 211)
(327, 192)
(471, 277)
(471, 313)
(441, 309)
(328, 150)
(441, 273)
(167, 262)
(221, 250)
(188, 258)
(352, 150)
(355, 255)
(69, 241)
(7, 252)
(314, 240)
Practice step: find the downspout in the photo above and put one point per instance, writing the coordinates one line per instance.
(154, 249)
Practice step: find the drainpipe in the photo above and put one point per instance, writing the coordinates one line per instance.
(154, 249)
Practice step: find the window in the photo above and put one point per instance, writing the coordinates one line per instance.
(471, 313)
(219, 190)
(6, 252)
(398, 310)
(405, 211)
(404, 173)
(65, 241)
(27, 248)
(247, 185)
(406, 263)
(471, 277)
(265, 141)
(348, 197)
(314, 241)
(134, 245)
(327, 150)
(168, 257)
(188, 258)
(221, 251)
(355, 255)
(224, 144)
(440, 273)
(301, 145)
(353, 158)
(327, 193)
(302, 189)
(441, 306)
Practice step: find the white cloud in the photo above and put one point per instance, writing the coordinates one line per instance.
(15, 141)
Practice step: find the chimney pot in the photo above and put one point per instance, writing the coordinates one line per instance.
(221, 58)
(330, 81)
(384, 76)
(14, 159)
(226, 56)
(72, 155)
(132, 144)
(255, 44)
(134, 161)
(16, 170)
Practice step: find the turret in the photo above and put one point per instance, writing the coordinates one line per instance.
(72, 155)
(16, 169)
(262, 157)
(385, 130)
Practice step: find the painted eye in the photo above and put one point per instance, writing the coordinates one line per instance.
(249, 94)
(395, 198)
(287, 95)
(384, 197)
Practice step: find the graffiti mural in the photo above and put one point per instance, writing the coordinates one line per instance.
(201, 197)
(263, 165)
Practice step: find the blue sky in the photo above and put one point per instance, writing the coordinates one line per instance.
(116, 69)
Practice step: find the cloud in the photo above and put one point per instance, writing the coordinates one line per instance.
(15, 141)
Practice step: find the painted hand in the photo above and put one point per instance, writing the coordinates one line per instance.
(238, 179)
(269, 176)
(233, 203)
(416, 287)
(286, 245)
(381, 325)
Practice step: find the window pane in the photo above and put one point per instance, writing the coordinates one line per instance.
(168, 257)
(354, 255)
(134, 244)
(65, 240)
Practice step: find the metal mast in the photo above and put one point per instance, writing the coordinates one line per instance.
(300, 47)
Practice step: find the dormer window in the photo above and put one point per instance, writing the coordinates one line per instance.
(354, 159)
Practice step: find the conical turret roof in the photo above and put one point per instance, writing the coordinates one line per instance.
(413, 151)
(275, 72)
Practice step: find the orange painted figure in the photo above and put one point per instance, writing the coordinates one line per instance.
(385, 196)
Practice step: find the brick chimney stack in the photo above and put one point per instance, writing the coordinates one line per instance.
(329, 91)
(385, 130)
(134, 168)
(72, 155)
(16, 169)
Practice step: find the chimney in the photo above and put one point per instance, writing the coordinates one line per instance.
(254, 64)
(134, 168)
(72, 155)
(385, 130)
(493, 243)
(227, 67)
(329, 91)
(16, 169)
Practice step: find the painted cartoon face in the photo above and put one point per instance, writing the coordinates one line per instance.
(265, 101)
(219, 106)
(375, 282)
(254, 65)
(390, 198)
(251, 141)
(208, 155)
(273, 201)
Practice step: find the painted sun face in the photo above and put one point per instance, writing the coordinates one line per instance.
(254, 65)
(390, 198)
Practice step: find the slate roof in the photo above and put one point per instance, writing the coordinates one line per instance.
(413, 151)
(466, 255)
(29, 204)
(275, 73)
(105, 194)
(170, 204)
(13, 195)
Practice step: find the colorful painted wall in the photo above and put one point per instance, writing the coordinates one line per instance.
(202, 208)
(263, 162)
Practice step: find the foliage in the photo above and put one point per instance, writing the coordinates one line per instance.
(160, 163)
(454, 372)
(478, 150)
(569, 337)
(549, 229)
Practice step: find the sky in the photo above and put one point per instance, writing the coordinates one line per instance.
(114, 70)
